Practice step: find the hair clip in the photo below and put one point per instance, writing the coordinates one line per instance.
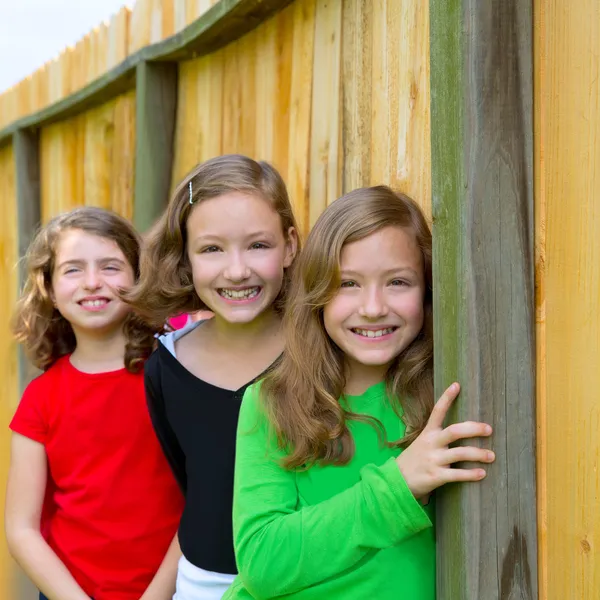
(191, 196)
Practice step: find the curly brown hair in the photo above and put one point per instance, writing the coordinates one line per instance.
(45, 334)
(301, 393)
(166, 287)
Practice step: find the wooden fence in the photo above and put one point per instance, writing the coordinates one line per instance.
(338, 94)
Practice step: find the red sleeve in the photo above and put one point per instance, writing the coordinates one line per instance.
(31, 416)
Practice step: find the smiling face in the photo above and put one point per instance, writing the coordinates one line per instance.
(88, 269)
(379, 308)
(238, 252)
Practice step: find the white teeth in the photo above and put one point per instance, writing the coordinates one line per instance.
(370, 333)
(93, 302)
(239, 294)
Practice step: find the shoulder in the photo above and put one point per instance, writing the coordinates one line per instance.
(46, 381)
(168, 339)
(253, 410)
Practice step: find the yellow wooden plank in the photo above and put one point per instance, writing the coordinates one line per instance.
(357, 73)
(567, 143)
(8, 349)
(274, 51)
(99, 45)
(325, 155)
(380, 111)
(297, 178)
(24, 97)
(89, 159)
(400, 98)
(198, 128)
(239, 96)
(122, 174)
(118, 33)
(139, 25)
(97, 158)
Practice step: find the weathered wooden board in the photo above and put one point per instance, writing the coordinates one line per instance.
(156, 103)
(481, 134)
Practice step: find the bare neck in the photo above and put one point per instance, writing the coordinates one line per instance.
(243, 338)
(99, 352)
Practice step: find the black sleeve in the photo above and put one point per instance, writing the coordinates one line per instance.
(158, 414)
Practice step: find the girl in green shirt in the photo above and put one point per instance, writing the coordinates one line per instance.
(340, 446)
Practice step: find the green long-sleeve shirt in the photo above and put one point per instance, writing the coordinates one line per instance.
(330, 532)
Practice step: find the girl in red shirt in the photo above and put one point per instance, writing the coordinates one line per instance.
(92, 506)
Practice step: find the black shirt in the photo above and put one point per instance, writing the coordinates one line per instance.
(196, 425)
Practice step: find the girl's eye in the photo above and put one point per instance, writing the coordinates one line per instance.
(111, 268)
(399, 282)
(71, 270)
(210, 249)
(348, 284)
(258, 246)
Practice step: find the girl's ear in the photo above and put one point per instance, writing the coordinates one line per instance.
(291, 247)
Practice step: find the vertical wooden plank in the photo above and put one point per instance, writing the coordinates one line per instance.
(540, 64)
(239, 95)
(98, 150)
(380, 100)
(198, 130)
(156, 102)
(357, 73)
(273, 88)
(300, 109)
(325, 154)
(118, 33)
(567, 78)
(122, 172)
(9, 379)
(410, 148)
(27, 164)
(139, 25)
(481, 108)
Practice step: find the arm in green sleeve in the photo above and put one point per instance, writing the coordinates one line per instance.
(280, 549)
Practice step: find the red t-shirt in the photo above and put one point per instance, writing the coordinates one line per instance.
(112, 505)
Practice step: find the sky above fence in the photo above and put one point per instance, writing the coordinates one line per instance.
(35, 31)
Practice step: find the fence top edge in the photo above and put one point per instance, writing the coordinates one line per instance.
(223, 23)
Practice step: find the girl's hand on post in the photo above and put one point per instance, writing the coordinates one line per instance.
(426, 463)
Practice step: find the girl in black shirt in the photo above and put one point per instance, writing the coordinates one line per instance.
(225, 244)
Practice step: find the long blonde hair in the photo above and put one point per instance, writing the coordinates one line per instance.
(166, 287)
(301, 394)
(45, 334)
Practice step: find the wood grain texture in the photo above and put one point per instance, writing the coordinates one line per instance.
(481, 106)
(156, 103)
(9, 376)
(241, 99)
(27, 169)
(325, 156)
(89, 160)
(298, 172)
(357, 83)
(567, 150)
(199, 120)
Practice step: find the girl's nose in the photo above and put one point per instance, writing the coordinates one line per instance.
(373, 305)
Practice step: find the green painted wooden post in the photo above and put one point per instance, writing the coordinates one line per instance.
(156, 104)
(27, 166)
(482, 134)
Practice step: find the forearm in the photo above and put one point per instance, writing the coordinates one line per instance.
(43, 567)
(378, 512)
(162, 586)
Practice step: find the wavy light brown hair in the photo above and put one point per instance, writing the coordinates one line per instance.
(301, 394)
(166, 287)
(45, 334)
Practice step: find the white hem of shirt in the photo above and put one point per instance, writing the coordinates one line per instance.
(194, 583)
